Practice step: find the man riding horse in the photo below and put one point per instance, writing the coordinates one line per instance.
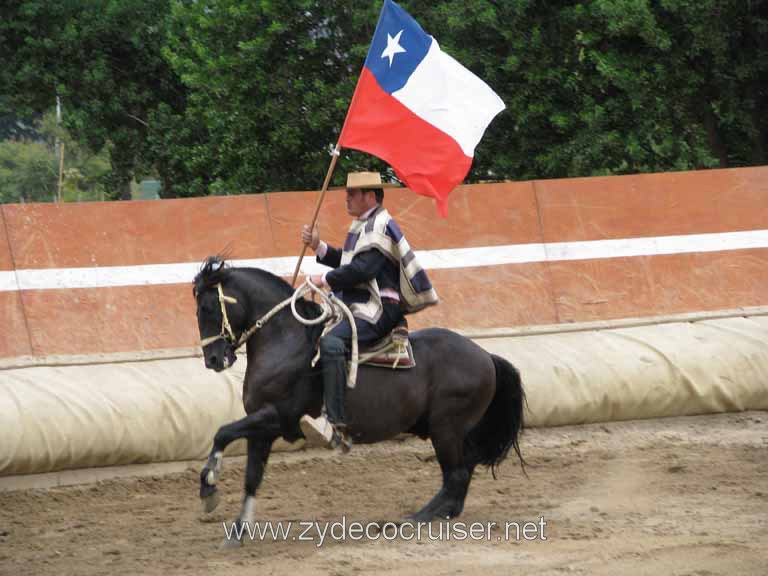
(467, 401)
(376, 274)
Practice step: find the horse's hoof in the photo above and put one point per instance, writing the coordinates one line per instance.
(206, 488)
(211, 501)
(420, 518)
(230, 544)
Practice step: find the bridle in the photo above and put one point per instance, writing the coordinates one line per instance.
(228, 335)
(332, 308)
(226, 332)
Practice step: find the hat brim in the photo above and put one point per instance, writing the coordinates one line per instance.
(375, 186)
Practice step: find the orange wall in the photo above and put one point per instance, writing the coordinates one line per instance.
(14, 338)
(656, 205)
(76, 321)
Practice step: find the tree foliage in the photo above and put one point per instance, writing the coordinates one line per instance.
(615, 86)
(28, 172)
(104, 59)
(232, 96)
(271, 82)
(29, 166)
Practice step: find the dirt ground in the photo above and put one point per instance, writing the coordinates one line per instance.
(682, 496)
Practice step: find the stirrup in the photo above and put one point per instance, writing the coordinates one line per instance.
(340, 439)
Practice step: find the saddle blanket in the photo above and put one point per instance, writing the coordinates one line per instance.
(389, 352)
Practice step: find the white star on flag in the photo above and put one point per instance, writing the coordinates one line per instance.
(393, 47)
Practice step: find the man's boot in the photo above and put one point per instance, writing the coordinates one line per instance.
(318, 432)
(333, 356)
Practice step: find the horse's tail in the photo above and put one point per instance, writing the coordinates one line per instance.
(500, 427)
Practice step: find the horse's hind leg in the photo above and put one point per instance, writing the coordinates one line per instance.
(449, 501)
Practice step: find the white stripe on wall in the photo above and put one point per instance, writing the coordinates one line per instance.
(182, 273)
(8, 282)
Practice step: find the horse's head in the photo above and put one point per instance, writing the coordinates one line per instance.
(220, 316)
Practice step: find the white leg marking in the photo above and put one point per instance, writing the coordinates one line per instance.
(248, 511)
(215, 472)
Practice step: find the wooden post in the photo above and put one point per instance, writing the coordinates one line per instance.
(61, 170)
(60, 148)
(334, 158)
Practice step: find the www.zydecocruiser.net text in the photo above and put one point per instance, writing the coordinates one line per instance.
(344, 531)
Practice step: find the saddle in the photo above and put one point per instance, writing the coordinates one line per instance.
(393, 351)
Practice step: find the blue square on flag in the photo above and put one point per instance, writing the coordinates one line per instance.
(398, 46)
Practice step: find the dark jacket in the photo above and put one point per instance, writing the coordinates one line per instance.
(363, 267)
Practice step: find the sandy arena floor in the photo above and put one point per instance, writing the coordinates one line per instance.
(682, 496)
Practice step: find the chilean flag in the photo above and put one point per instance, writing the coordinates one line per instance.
(417, 108)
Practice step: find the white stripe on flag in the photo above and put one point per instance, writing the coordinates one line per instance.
(448, 96)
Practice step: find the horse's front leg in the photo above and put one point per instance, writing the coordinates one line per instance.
(209, 476)
(258, 453)
(264, 425)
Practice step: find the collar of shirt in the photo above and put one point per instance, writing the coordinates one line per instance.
(364, 215)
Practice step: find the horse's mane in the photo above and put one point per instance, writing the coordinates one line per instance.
(212, 271)
(216, 269)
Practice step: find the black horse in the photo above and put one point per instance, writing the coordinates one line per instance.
(467, 401)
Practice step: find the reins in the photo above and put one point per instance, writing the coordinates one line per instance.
(332, 308)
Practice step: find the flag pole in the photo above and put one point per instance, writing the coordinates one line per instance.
(334, 157)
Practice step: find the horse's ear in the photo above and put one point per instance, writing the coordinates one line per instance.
(216, 264)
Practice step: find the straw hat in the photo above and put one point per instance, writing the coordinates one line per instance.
(367, 181)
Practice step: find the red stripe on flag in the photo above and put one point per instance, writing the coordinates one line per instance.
(429, 161)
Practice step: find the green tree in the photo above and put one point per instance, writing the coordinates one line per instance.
(271, 82)
(28, 172)
(85, 171)
(29, 167)
(103, 58)
(592, 87)
(232, 96)
(614, 86)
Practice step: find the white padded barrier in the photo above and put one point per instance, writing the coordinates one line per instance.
(75, 414)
